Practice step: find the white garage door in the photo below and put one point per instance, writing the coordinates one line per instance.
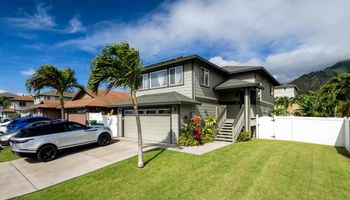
(154, 127)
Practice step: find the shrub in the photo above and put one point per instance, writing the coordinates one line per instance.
(209, 130)
(244, 136)
(192, 134)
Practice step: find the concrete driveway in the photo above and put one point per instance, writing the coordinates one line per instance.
(24, 176)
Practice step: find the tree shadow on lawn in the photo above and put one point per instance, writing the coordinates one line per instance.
(154, 156)
(342, 151)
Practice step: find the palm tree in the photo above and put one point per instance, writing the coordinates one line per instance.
(48, 76)
(120, 65)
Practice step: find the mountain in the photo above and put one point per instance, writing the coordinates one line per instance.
(313, 80)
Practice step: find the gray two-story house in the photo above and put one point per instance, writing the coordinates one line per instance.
(174, 90)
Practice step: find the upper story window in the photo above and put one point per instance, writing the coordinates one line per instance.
(159, 79)
(271, 90)
(259, 92)
(176, 75)
(22, 103)
(204, 77)
(145, 82)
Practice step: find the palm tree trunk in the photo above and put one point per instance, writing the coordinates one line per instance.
(138, 123)
(62, 106)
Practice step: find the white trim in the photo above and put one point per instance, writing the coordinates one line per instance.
(148, 84)
(150, 78)
(182, 74)
(205, 71)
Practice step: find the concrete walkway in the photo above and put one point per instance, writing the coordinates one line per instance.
(24, 176)
(200, 150)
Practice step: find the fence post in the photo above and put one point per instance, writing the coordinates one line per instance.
(347, 134)
(257, 126)
(292, 128)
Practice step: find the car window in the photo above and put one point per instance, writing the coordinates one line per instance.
(75, 126)
(42, 130)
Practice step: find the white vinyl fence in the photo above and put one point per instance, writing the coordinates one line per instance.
(327, 131)
(108, 121)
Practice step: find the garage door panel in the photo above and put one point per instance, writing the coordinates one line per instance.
(155, 128)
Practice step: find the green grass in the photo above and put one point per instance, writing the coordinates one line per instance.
(7, 155)
(259, 169)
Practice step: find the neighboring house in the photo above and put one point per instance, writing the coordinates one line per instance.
(173, 91)
(53, 95)
(20, 103)
(84, 103)
(288, 90)
(46, 108)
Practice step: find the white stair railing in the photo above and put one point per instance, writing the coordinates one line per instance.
(238, 124)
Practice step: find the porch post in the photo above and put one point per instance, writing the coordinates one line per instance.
(247, 109)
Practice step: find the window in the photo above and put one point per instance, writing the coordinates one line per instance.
(145, 82)
(75, 126)
(151, 112)
(159, 79)
(271, 90)
(22, 103)
(141, 112)
(259, 92)
(204, 77)
(165, 111)
(176, 75)
(128, 112)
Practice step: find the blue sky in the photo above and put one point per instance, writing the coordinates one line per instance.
(288, 37)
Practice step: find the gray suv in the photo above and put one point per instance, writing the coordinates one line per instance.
(45, 141)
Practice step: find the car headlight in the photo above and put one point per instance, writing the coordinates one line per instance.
(5, 137)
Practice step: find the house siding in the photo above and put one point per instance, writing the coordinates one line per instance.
(185, 89)
(215, 78)
(265, 105)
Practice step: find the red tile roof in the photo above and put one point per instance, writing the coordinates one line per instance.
(100, 100)
(23, 98)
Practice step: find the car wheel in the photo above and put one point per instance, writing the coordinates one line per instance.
(47, 153)
(104, 139)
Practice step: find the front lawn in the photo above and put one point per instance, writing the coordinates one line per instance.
(260, 169)
(7, 155)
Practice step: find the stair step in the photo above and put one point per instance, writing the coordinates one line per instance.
(226, 128)
(224, 136)
(225, 133)
(225, 140)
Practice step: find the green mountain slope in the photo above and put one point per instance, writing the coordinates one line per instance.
(313, 81)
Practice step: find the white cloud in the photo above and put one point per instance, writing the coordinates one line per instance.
(39, 20)
(290, 37)
(28, 72)
(2, 91)
(75, 26)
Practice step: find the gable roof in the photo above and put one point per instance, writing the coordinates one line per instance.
(236, 83)
(180, 59)
(242, 69)
(23, 98)
(54, 93)
(168, 98)
(229, 70)
(102, 99)
(45, 104)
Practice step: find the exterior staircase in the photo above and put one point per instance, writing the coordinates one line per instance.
(225, 132)
(231, 128)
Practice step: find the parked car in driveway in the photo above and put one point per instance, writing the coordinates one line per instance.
(22, 122)
(5, 138)
(45, 141)
(3, 127)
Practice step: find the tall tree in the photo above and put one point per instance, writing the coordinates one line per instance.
(48, 76)
(335, 94)
(120, 65)
(4, 101)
